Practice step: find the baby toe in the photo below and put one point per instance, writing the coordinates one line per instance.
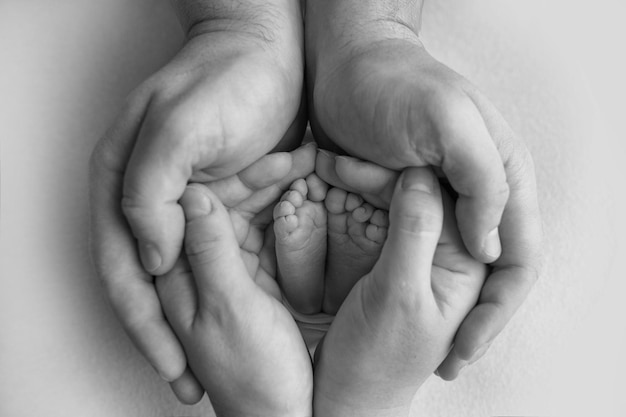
(335, 200)
(283, 226)
(380, 218)
(296, 198)
(363, 213)
(375, 233)
(316, 187)
(353, 201)
(283, 208)
(299, 186)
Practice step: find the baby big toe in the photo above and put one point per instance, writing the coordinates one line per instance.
(336, 200)
(317, 188)
(284, 208)
(375, 233)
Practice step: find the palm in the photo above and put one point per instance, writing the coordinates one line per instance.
(238, 337)
(397, 323)
(249, 198)
(376, 102)
(225, 105)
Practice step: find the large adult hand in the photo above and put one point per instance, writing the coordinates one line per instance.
(242, 344)
(232, 94)
(379, 95)
(399, 321)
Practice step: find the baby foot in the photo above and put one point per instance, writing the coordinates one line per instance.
(300, 229)
(356, 233)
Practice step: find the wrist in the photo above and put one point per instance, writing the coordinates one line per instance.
(265, 19)
(333, 25)
(324, 407)
(333, 15)
(254, 412)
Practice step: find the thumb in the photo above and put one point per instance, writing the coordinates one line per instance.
(415, 224)
(212, 249)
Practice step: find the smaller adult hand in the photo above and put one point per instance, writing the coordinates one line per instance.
(399, 321)
(242, 344)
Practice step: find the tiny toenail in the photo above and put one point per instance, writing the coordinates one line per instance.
(479, 352)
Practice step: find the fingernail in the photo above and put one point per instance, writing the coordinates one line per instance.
(325, 153)
(492, 247)
(150, 257)
(198, 205)
(462, 368)
(414, 180)
(163, 377)
(479, 352)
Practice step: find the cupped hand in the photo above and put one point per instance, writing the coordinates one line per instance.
(242, 344)
(225, 100)
(399, 321)
(247, 199)
(389, 101)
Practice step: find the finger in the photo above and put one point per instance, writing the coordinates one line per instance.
(187, 388)
(475, 170)
(212, 250)
(374, 182)
(516, 270)
(501, 296)
(302, 163)
(114, 253)
(325, 162)
(265, 172)
(415, 224)
(158, 171)
(177, 292)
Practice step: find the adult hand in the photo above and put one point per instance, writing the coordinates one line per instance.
(230, 96)
(380, 96)
(242, 344)
(399, 321)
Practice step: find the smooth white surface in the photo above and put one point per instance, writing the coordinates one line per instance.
(65, 69)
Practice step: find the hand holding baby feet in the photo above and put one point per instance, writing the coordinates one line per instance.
(399, 321)
(376, 93)
(241, 343)
(326, 240)
(233, 93)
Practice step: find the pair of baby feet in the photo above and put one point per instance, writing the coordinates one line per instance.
(326, 239)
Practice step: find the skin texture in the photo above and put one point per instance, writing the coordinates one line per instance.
(399, 320)
(391, 332)
(377, 94)
(232, 94)
(223, 301)
(373, 93)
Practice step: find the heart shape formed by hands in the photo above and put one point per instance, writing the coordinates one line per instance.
(398, 299)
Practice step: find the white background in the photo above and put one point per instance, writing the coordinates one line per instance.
(555, 68)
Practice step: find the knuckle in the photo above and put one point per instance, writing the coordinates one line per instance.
(422, 219)
(202, 251)
(133, 207)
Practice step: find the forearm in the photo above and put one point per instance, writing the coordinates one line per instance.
(339, 12)
(256, 16)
